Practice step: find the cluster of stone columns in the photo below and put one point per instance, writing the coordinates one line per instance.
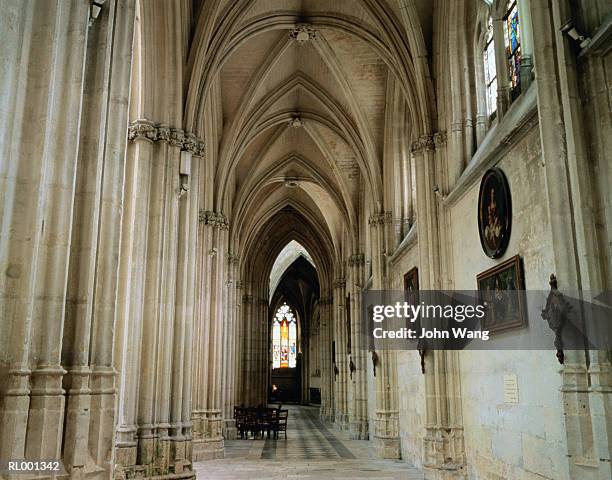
(65, 85)
(156, 301)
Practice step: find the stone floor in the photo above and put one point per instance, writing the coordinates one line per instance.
(312, 450)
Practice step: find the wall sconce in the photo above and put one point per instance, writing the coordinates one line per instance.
(575, 35)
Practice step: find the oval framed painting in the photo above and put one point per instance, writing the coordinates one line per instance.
(494, 213)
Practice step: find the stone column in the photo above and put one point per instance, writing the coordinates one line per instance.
(386, 428)
(358, 429)
(156, 276)
(229, 341)
(207, 412)
(327, 373)
(340, 378)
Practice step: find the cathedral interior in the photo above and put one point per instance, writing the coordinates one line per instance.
(195, 194)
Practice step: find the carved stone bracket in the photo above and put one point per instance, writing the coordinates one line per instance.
(356, 260)
(144, 129)
(214, 219)
(303, 33)
(555, 313)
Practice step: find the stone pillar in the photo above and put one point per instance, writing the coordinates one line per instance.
(386, 428)
(327, 373)
(229, 341)
(340, 333)
(207, 410)
(358, 429)
(156, 278)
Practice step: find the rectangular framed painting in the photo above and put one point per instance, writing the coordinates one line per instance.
(503, 289)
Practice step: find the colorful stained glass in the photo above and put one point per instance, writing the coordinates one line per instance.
(284, 339)
(512, 37)
(490, 69)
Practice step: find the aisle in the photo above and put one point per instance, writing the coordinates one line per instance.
(312, 450)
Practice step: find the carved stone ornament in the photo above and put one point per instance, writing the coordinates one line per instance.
(214, 219)
(555, 313)
(439, 139)
(303, 33)
(144, 129)
(340, 283)
(232, 259)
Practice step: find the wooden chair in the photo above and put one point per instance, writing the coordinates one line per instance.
(281, 423)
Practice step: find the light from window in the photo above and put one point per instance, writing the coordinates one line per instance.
(284, 338)
(490, 69)
(512, 37)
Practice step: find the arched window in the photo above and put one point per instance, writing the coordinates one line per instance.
(512, 41)
(490, 70)
(284, 338)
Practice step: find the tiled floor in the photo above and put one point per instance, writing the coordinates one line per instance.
(313, 450)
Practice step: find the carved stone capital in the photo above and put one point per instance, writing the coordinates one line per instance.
(380, 218)
(356, 259)
(424, 142)
(232, 259)
(303, 33)
(339, 283)
(214, 219)
(246, 299)
(439, 139)
(239, 284)
(144, 129)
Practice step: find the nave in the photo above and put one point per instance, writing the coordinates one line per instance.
(313, 449)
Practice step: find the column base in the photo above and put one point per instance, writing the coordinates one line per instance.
(359, 430)
(341, 421)
(387, 447)
(208, 449)
(448, 472)
(229, 430)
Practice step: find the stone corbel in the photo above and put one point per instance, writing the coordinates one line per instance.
(555, 313)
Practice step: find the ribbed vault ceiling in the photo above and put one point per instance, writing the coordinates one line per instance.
(304, 122)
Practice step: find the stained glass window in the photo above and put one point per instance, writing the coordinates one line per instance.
(512, 37)
(490, 69)
(284, 338)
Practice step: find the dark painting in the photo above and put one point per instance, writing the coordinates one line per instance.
(494, 213)
(502, 288)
